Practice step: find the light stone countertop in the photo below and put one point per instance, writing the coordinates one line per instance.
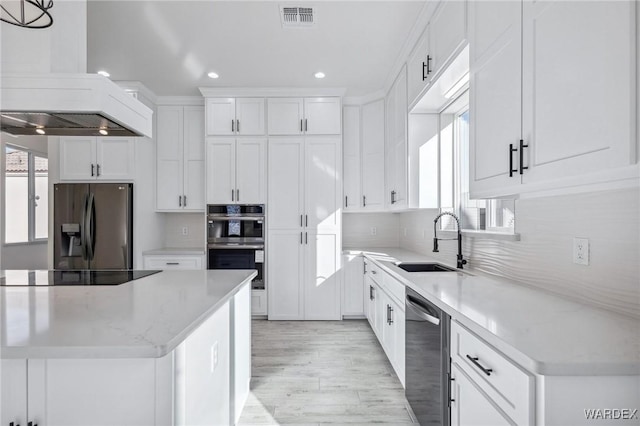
(144, 318)
(175, 251)
(544, 333)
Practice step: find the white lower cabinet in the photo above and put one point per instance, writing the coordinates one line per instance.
(204, 381)
(469, 405)
(173, 262)
(352, 285)
(386, 315)
(304, 275)
(258, 302)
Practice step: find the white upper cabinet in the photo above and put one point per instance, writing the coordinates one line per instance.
(322, 116)
(312, 116)
(180, 158)
(396, 144)
(236, 171)
(323, 183)
(101, 158)
(417, 76)
(351, 157)
(448, 33)
(286, 183)
(373, 157)
(235, 116)
(579, 106)
(552, 101)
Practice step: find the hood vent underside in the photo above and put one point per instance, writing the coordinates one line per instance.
(61, 124)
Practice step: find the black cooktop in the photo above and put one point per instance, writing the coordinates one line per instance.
(79, 277)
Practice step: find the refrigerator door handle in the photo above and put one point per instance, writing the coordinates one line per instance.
(83, 229)
(90, 227)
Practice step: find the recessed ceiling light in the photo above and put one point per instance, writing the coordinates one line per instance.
(103, 132)
(319, 74)
(213, 75)
(104, 73)
(40, 131)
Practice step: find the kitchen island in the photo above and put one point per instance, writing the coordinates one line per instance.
(167, 349)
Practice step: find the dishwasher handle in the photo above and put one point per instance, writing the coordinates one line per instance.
(421, 312)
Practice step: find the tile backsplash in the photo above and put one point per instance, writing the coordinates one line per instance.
(195, 224)
(358, 230)
(543, 257)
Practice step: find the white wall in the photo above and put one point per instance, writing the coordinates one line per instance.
(357, 232)
(194, 222)
(543, 256)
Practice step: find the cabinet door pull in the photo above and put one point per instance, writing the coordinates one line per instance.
(97, 169)
(346, 201)
(522, 147)
(364, 267)
(300, 237)
(511, 151)
(184, 200)
(306, 220)
(306, 125)
(232, 195)
(475, 362)
(426, 66)
(237, 195)
(306, 238)
(233, 128)
(393, 197)
(92, 167)
(238, 126)
(364, 201)
(173, 263)
(371, 296)
(301, 221)
(373, 271)
(300, 125)
(179, 200)
(390, 314)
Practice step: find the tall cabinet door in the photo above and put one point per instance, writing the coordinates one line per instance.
(285, 275)
(115, 158)
(373, 155)
(322, 116)
(495, 104)
(221, 116)
(221, 180)
(578, 85)
(250, 116)
(250, 171)
(285, 116)
(286, 183)
(169, 156)
(323, 183)
(322, 279)
(194, 147)
(351, 156)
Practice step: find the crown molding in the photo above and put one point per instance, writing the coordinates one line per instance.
(234, 92)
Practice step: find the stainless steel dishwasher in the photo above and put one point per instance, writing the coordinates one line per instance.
(427, 360)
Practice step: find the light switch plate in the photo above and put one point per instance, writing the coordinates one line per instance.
(581, 251)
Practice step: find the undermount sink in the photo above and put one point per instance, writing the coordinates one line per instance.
(424, 267)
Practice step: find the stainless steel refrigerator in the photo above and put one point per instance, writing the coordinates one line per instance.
(93, 226)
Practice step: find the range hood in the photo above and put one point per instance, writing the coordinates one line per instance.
(70, 105)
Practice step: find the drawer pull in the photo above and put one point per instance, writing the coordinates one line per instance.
(173, 263)
(475, 362)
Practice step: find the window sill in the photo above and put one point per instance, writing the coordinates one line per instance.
(482, 235)
(27, 243)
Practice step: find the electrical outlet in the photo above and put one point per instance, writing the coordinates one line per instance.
(581, 251)
(374, 230)
(185, 230)
(214, 356)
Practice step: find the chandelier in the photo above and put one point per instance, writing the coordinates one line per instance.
(26, 13)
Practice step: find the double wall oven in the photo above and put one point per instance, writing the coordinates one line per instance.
(235, 239)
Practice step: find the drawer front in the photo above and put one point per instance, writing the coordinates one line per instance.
(173, 262)
(394, 288)
(258, 302)
(508, 385)
(375, 272)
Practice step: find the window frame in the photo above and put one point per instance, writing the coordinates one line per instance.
(31, 196)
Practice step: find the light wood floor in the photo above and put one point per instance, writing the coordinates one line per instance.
(313, 372)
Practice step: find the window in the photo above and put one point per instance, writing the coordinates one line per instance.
(26, 196)
(475, 215)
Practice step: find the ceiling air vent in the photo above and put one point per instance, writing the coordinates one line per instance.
(297, 17)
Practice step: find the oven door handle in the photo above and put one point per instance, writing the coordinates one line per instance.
(236, 246)
(238, 218)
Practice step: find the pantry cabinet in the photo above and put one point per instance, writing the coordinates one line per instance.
(235, 116)
(309, 116)
(543, 114)
(180, 158)
(97, 158)
(304, 228)
(236, 170)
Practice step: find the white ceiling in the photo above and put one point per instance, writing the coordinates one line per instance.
(170, 46)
